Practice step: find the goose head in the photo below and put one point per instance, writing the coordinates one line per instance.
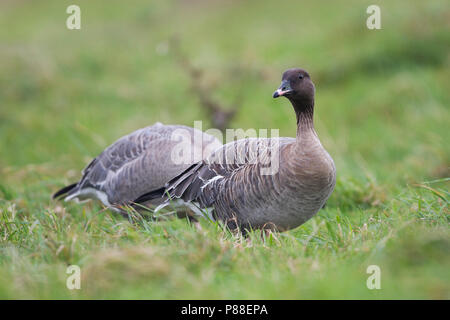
(296, 85)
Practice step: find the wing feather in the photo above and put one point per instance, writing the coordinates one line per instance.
(202, 182)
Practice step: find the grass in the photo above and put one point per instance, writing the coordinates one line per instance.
(381, 112)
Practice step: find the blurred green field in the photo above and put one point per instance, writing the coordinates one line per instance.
(382, 112)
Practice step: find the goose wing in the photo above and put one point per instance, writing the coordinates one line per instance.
(234, 166)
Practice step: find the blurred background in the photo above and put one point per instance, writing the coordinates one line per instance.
(382, 96)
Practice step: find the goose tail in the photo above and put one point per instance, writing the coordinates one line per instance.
(155, 194)
(62, 192)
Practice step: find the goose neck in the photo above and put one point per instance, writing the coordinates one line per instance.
(305, 121)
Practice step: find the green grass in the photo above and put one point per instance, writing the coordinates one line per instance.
(382, 112)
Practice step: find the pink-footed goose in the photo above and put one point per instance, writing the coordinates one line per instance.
(233, 184)
(141, 161)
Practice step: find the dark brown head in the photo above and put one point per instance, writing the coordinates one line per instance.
(296, 85)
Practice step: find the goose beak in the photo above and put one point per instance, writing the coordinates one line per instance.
(284, 89)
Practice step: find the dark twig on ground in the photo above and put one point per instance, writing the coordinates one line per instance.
(219, 114)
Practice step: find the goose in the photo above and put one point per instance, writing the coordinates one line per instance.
(146, 159)
(233, 185)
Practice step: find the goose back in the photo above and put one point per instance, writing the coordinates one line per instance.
(141, 161)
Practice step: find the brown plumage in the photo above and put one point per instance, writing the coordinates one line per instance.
(235, 185)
